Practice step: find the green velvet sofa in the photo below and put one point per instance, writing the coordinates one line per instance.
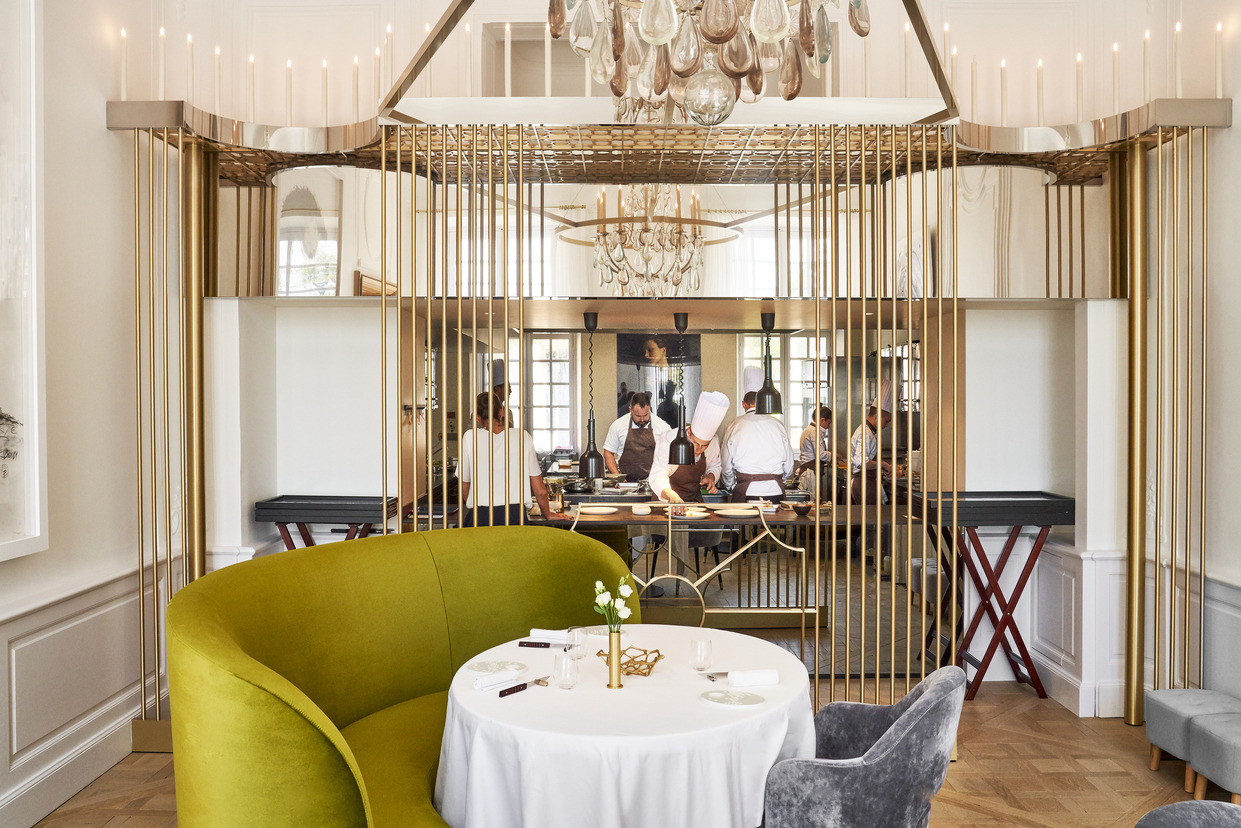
(309, 688)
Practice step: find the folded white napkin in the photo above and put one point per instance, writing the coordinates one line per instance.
(753, 678)
(494, 680)
(554, 636)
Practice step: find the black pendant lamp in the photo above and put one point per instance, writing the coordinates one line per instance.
(768, 400)
(681, 452)
(590, 464)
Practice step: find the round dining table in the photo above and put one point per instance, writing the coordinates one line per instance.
(654, 752)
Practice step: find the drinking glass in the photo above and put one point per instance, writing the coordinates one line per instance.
(565, 671)
(700, 654)
(577, 643)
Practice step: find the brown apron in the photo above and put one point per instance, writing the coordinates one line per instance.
(686, 481)
(874, 480)
(743, 484)
(638, 453)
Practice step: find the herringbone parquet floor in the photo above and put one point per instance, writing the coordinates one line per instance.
(1021, 761)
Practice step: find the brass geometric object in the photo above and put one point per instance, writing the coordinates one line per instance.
(635, 661)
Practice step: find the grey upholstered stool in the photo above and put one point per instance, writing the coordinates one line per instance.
(1193, 815)
(1215, 745)
(1168, 714)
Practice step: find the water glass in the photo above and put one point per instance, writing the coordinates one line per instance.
(577, 643)
(564, 672)
(700, 654)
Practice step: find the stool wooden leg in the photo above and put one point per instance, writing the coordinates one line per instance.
(1236, 799)
(1200, 787)
(1190, 777)
(1156, 755)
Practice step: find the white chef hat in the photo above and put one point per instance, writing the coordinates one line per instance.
(709, 413)
(751, 379)
(884, 401)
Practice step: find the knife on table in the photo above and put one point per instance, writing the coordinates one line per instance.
(517, 688)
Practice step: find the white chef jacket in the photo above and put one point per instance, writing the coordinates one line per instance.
(618, 432)
(807, 444)
(757, 444)
(862, 448)
(661, 471)
(519, 474)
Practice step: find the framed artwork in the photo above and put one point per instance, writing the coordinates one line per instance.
(23, 455)
(652, 363)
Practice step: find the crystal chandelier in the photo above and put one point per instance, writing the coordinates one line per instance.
(699, 57)
(644, 250)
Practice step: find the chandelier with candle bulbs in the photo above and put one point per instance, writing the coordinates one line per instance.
(665, 59)
(645, 250)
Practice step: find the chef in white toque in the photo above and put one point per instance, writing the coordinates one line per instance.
(683, 484)
(863, 448)
(756, 454)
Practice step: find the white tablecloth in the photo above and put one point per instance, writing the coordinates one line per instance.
(650, 754)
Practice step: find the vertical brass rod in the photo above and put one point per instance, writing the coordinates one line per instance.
(922, 401)
(138, 407)
(1081, 235)
(816, 262)
(476, 206)
(788, 241)
(865, 293)
(1135, 617)
(400, 331)
(460, 401)
(181, 305)
(542, 238)
(158, 341)
(828, 213)
(1046, 235)
(523, 473)
(801, 237)
(1173, 509)
(428, 137)
(849, 268)
(383, 325)
(956, 399)
(775, 236)
(1202, 434)
(412, 349)
(491, 292)
(1070, 234)
(445, 191)
(504, 331)
(941, 288)
(1059, 241)
(1189, 387)
(160, 632)
(1160, 322)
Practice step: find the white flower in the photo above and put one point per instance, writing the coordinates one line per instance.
(598, 587)
(625, 590)
(620, 603)
(624, 613)
(603, 599)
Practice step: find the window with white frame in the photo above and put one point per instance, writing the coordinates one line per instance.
(792, 368)
(550, 401)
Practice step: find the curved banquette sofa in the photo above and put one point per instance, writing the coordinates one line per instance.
(309, 688)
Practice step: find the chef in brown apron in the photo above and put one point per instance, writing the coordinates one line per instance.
(755, 454)
(629, 446)
(863, 451)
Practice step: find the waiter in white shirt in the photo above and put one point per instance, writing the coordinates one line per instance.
(863, 447)
(756, 455)
(629, 447)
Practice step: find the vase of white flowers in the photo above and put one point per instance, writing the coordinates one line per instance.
(614, 611)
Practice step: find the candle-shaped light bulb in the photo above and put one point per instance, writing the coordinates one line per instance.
(215, 82)
(356, 90)
(547, 60)
(323, 96)
(1039, 91)
(908, 80)
(953, 77)
(866, 66)
(1176, 60)
(378, 73)
(163, 61)
(508, 61)
(189, 69)
(1116, 78)
(469, 63)
(1003, 93)
(426, 30)
(388, 46)
(1219, 60)
(288, 93)
(124, 66)
(250, 109)
(1081, 90)
(1146, 66)
(947, 40)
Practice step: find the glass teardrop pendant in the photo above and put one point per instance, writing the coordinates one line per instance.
(790, 72)
(859, 17)
(601, 61)
(663, 70)
(619, 82)
(582, 32)
(822, 37)
(616, 25)
(709, 95)
(633, 51)
(769, 20)
(569, 4)
(718, 20)
(556, 17)
(676, 88)
(812, 66)
(657, 22)
(646, 76)
(686, 56)
(769, 56)
(755, 85)
(805, 28)
(736, 56)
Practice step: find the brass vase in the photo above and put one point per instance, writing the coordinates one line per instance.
(614, 660)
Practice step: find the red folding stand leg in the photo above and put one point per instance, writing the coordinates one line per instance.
(988, 584)
(284, 533)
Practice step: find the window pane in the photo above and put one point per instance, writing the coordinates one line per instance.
(560, 348)
(560, 395)
(560, 418)
(560, 439)
(542, 418)
(540, 394)
(540, 348)
(753, 346)
(560, 371)
(541, 372)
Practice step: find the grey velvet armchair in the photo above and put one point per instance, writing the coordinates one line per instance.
(875, 765)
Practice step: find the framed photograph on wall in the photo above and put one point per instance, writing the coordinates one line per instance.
(23, 455)
(653, 363)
